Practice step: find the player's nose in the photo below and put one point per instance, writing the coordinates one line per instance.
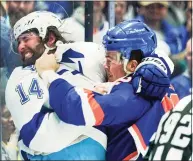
(21, 47)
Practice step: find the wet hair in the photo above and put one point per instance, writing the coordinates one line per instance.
(136, 55)
(57, 34)
(51, 29)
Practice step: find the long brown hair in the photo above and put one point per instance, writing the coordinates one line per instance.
(57, 34)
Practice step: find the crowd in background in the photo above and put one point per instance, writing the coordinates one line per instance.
(171, 21)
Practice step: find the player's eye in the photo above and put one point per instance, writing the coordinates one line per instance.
(25, 39)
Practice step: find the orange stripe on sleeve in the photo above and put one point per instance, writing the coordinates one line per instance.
(166, 103)
(169, 102)
(175, 99)
(139, 136)
(96, 108)
(130, 156)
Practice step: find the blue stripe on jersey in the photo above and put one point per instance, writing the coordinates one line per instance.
(62, 71)
(66, 102)
(75, 72)
(30, 129)
(67, 55)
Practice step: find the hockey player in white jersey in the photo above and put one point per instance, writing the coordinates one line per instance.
(42, 134)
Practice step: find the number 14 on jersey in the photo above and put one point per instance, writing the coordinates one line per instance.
(34, 89)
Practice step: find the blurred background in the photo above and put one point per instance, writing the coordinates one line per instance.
(89, 21)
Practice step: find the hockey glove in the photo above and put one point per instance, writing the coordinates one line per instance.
(151, 77)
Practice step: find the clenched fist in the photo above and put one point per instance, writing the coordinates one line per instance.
(46, 62)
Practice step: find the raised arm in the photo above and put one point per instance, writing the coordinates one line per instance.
(84, 107)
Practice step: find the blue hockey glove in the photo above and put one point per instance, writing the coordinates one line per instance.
(151, 78)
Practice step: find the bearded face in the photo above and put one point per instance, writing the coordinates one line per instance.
(33, 54)
(31, 47)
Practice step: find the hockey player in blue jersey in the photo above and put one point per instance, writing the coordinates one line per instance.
(84, 107)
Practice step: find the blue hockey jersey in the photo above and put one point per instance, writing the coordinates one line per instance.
(124, 116)
(131, 139)
(80, 106)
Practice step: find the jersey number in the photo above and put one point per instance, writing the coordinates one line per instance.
(34, 89)
(179, 137)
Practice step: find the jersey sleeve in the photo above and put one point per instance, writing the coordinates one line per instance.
(84, 107)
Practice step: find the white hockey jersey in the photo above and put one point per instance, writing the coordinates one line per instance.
(41, 131)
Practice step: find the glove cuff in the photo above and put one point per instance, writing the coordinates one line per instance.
(155, 61)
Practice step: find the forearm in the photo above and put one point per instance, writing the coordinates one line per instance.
(66, 102)
(83, 107)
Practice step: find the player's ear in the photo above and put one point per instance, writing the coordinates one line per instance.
(132, 65)
(51, 40)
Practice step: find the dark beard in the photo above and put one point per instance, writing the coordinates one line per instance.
(37, 52)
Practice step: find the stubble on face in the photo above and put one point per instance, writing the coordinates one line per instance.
(36, 54)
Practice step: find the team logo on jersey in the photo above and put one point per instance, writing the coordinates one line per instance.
(74, 59)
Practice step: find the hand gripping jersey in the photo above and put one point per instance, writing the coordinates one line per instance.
(173, 139)
(27, 98)
(84, 59)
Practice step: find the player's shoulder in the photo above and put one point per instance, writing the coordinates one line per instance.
(124, 87)
(88, 44)
(90, 47)
(20, 73)
(81, 49)
(15, 74)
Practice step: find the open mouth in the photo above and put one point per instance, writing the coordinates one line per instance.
(27, 55)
